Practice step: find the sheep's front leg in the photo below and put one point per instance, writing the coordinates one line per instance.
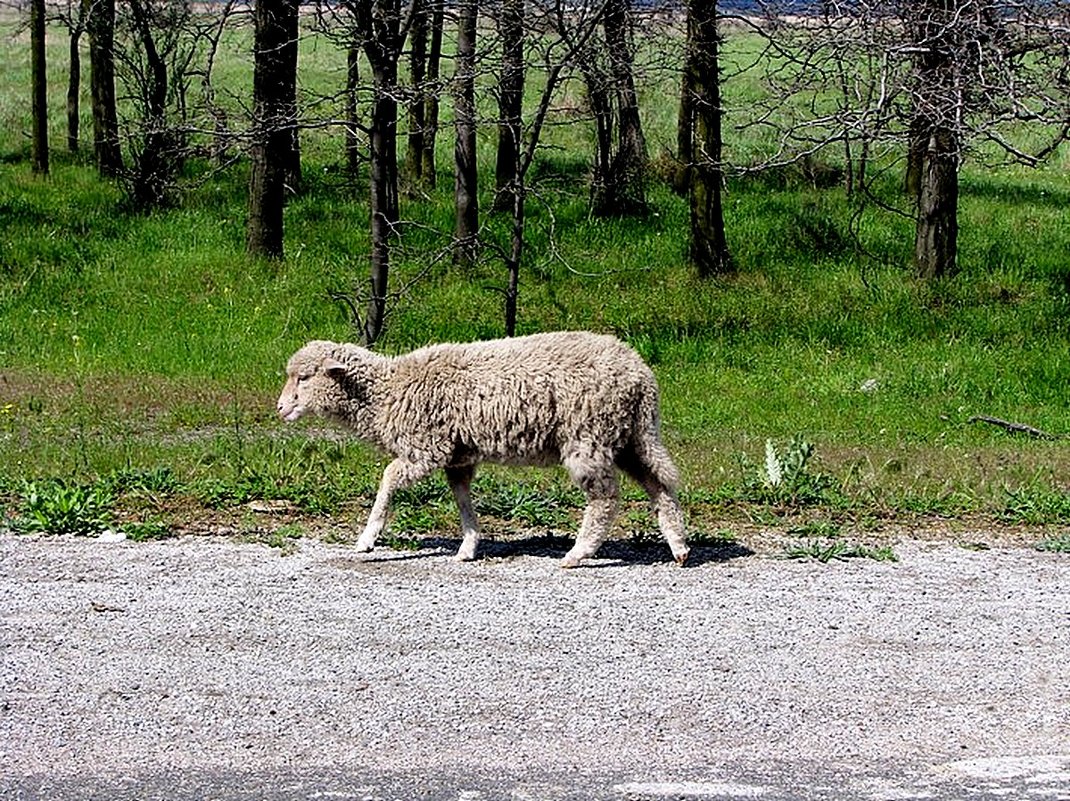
(460, 479)
(397, 475)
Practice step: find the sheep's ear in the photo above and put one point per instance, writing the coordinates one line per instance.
(334, 368)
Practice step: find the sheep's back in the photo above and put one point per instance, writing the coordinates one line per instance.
(516, 401)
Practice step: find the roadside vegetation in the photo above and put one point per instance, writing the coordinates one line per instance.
(822, 397)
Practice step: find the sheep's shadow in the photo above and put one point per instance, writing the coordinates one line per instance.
(614, 553)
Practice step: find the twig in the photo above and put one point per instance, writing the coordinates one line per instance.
(1014, 428)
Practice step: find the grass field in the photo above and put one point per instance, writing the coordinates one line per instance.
(140, 354)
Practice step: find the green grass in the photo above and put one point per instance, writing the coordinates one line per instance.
(141, 354)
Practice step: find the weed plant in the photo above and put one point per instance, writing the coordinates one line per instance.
(1060, 543)
(829, 550)
(58, 507)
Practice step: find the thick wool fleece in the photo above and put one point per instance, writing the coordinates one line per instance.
(583, 400)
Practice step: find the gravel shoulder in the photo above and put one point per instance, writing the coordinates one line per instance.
(201, 664)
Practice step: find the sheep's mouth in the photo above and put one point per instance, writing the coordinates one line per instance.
(293, 414)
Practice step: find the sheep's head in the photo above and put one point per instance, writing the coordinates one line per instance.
(314, 379)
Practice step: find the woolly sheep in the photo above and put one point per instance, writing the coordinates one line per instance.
(586, 401)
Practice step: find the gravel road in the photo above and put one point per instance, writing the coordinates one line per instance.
(208, 668)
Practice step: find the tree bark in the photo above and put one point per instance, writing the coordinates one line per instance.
(100, 25)
(466, 204)
(434, 58)
(384, 193)
(708, 247)
(39, 81)
(352, 85)
(515, 257)
(630, 161)
(154, 165)
(510, 102)
(936, 232)
(381, 23)
(274, 80)
(416, 105)
(685, 128)
(291, 19)
(599, 98)
(937, 103)
(74, 78)
(917, 145)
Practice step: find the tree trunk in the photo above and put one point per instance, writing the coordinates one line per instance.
(352, 85)
(630, 162)
(466, 204)
(379, 28)
(291, 19)
(917, 145)
(600, 99)
(100, 25)
(39, 80)
(516, 254)
(74, 78)
(510, 102)
(416, 105)
(708, 247)
(936, 232)
(384, 191)
(154, 165)
(434, 58)
(685, 129)
(274, 77)
(934, 143)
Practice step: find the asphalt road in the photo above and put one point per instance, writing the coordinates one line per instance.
(210, 669)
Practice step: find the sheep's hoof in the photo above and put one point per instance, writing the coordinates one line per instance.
(460, 556)
(681, 558)
(570, 562)
(363, 547)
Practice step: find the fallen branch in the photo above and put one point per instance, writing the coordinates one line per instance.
(1014, 428)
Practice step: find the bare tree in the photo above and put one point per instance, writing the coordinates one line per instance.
(510, 100)
(100, 25)
(352, 126)
(936, 81)
(431, 96)
(380, 25)
(74, 19)
(566, 31)
(708, 247)
(416, 102)
(466, 201)
(685, 129)
(628, 169)
(933, 133)
(274, 124)
(39, 85)
(155, 148)
(160, 50)
(620, 159)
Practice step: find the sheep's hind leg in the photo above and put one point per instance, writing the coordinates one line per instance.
(599, 481)
(670, 521)
(397, 475)
(663, 502)
(460, 480)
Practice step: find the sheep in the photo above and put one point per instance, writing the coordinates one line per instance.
(586, 401)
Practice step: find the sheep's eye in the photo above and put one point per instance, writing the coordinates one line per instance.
(303, 376)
